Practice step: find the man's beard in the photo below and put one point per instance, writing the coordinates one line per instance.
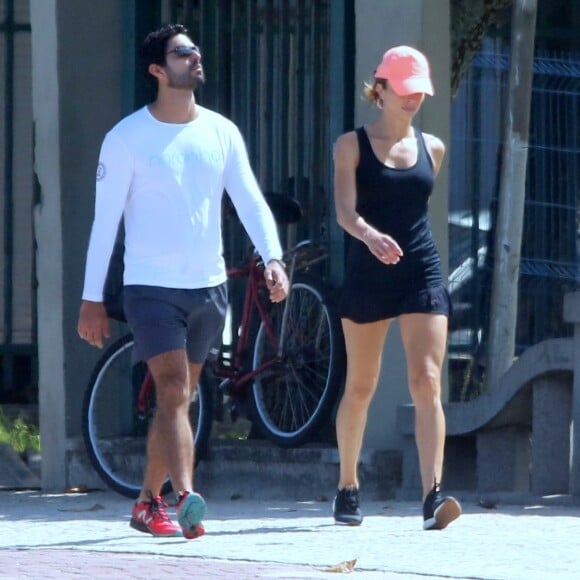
(186, 81)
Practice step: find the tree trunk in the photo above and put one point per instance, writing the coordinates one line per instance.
(510, 217)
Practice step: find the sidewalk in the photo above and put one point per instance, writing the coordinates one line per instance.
(87, 535)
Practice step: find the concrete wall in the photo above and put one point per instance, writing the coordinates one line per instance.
(379, 26)
(77, 72)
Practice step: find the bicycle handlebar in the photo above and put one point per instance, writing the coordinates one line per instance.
(303, 255)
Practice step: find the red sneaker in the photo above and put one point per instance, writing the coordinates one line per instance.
(151, 518)
(190, 511)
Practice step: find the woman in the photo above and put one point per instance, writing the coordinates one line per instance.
(384, 175)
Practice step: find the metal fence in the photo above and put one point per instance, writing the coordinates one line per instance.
(17, 185)
(268, 69)
(550, 244)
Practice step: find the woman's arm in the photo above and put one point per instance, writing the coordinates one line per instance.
(346, 159)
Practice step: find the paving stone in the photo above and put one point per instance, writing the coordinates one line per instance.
(87, 535)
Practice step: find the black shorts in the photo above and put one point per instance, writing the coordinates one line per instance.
(371, 305)
(165, 319)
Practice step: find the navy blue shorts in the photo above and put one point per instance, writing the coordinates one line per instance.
(371, 305)
(165, 319)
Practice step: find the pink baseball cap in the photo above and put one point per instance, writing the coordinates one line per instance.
(407, 71)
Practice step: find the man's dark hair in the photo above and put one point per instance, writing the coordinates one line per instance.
(154, 47)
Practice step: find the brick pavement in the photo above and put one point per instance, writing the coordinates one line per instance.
(64, 564)
(87, 535)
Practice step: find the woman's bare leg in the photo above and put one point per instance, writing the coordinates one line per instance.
(424, 338)
(364, 349)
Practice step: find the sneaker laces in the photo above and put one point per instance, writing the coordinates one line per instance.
(434, 495)
(350, 498)
(158, 507)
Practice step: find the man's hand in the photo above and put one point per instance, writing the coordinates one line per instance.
(276, 280)
(93, 323)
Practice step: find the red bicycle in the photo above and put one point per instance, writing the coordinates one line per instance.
(285, 366)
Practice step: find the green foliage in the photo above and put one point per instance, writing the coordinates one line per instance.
(470, 22)
(19, 434)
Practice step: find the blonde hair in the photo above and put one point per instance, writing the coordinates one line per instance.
(370, 93)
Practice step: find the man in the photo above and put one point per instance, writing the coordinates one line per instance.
(163, 169)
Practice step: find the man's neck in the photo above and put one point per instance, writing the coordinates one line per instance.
(174, 107)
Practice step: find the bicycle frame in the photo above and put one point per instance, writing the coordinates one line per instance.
(142, 403)
(236, 377)
(233, 370)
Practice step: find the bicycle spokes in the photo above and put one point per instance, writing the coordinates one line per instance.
(292, 396)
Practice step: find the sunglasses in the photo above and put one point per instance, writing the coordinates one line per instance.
(184, 51)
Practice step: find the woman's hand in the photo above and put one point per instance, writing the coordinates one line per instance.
(382, 246)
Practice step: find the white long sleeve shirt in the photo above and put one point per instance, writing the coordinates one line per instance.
(167, 180)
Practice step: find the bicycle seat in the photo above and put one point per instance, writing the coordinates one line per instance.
(286, 209)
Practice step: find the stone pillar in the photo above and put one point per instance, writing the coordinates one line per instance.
(572, 314)
(77, 80)
(48, 236)
(552, 401)
(503, 456)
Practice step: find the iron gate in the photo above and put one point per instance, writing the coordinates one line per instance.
(269, 66)
(17, 185)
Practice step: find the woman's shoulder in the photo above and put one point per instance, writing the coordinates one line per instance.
(435, 147)
(348, 137)
(346, 144)
(349, 140)
(433, 143)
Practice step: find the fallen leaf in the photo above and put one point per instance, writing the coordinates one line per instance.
(343, 568)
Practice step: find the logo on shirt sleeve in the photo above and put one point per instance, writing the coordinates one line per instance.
(101, 171)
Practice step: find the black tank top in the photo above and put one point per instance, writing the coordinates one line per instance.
(395, 202)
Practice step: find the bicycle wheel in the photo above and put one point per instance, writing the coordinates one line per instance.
(115, 431)
(292, 397)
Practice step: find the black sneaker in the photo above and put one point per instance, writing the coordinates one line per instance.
(346, 507)
(439, 511)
